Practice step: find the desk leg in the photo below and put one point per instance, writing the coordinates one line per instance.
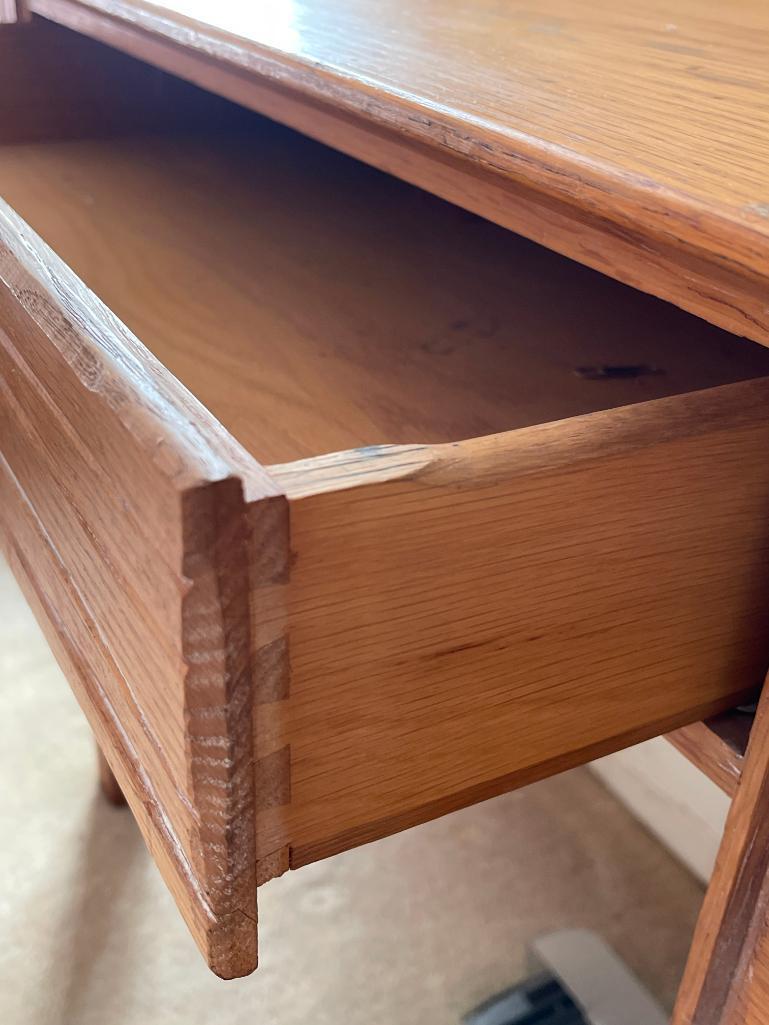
(109, 785)
(726, 981)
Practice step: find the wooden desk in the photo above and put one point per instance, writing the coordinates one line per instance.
(540, 534)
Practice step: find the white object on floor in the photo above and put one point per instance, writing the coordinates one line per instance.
(672, 798)
(598, 981)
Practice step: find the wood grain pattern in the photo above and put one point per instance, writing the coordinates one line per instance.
(459, 353)
(440, 619)
(417, 322)
(124, 514)
(727, 976)
(717, 747)
(627, 137)
(464, 618)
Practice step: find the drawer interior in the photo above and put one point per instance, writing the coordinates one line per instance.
(315, 304)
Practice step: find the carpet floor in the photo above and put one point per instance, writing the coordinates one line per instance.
(412, 930)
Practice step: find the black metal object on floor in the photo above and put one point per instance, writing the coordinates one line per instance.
(577, 979)
(540, 1000)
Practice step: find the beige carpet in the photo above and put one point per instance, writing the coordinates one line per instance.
(413, 930)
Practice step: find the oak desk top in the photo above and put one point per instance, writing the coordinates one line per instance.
(629, 135)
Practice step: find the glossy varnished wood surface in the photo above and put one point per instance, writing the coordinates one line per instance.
(632, 136)
(314, 304)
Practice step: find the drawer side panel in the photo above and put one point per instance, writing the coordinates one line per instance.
(468, 618)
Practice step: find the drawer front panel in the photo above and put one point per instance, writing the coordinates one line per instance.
(124, 516)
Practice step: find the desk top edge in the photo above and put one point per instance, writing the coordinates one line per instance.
(725, 226)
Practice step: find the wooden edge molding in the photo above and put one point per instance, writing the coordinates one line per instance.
(656, 240)
(126, 517)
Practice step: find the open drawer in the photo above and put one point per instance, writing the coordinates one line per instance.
(448, 513)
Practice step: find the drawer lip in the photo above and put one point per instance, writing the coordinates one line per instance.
(534, 449)
(149, 402)
(125, 519)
